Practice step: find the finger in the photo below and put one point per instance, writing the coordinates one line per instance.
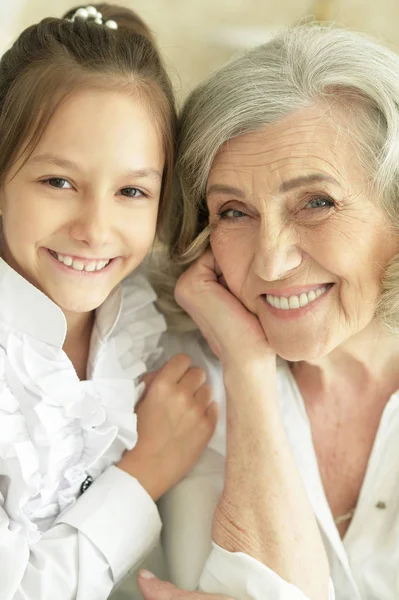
(218, 270)
(203, 397)
(207, 267)
(175, 368)
(212, 413)
(153, 588)
(149, 377)
(203, 271)
(193, 379)
(222, 281)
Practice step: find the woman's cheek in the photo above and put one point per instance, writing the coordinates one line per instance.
(232, 252)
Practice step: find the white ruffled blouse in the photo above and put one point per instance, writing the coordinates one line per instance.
(56, 430)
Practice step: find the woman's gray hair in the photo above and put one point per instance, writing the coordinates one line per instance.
(301, 66)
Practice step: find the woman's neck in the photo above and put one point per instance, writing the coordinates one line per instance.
(77, 341)
(369, 357)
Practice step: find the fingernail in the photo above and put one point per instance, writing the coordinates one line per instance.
(144, 574)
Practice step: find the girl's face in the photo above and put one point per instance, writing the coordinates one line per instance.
(298, 233)
(81, 213)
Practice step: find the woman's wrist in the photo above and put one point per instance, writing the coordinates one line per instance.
(257, 373)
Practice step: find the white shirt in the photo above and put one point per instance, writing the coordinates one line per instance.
(55, 430)
(363, 566)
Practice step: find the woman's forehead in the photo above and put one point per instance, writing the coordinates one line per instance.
(307, 140)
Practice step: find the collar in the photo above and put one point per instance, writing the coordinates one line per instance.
(25, 308)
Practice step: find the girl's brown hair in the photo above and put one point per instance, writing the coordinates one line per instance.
(56, 57)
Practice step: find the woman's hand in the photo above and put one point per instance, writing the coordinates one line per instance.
(175, 421)
(154, 589)
(233, 333)
(264, 510)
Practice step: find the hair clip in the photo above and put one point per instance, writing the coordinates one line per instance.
(92, 14)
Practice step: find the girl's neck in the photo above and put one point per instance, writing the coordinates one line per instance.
(77, 341)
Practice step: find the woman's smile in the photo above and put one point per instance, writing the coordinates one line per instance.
(291, 202)
(292, 306)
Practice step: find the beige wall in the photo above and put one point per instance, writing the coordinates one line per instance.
(198, 35)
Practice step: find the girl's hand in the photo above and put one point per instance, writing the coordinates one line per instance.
(233, 333)
(175, 420)
(154, 589)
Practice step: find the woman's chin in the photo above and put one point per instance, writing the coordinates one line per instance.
(300, 350)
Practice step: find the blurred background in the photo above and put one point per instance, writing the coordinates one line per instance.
(196, 36)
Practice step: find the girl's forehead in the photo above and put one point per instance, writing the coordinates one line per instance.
(100, 131)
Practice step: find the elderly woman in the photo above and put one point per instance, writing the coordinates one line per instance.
(288, 223)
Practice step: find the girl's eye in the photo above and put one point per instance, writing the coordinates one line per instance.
(320, 203)
(58, 182)
(132, 192)
(231, 213)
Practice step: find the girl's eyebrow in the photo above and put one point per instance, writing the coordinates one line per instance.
(54, 160)
(69, 164)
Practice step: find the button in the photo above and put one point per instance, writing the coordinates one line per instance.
(86, 484)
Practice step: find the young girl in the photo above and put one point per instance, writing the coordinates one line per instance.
(87, 127)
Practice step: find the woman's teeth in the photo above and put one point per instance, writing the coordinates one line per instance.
(293, 302)
(80, 265)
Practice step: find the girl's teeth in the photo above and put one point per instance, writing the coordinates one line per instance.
(294, 302)
(90, 266)
(79, 265)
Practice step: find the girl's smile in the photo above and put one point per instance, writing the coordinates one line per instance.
(81, 264)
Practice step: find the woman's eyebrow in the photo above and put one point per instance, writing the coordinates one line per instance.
(305, 180)
(290, 184)
(229, 190)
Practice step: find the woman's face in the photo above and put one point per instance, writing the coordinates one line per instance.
(297, 232)
(80, 214)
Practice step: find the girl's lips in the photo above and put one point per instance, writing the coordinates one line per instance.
(79, 258)
(80, 271)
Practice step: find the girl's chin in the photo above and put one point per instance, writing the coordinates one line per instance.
(78, 305)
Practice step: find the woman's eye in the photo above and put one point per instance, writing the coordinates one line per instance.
(232, 213)
(132, 192)
(320, 203)
(58, 182)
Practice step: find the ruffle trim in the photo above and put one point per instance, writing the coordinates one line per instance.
(61, 429)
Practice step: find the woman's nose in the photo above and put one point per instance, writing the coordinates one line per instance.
(277, 254)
